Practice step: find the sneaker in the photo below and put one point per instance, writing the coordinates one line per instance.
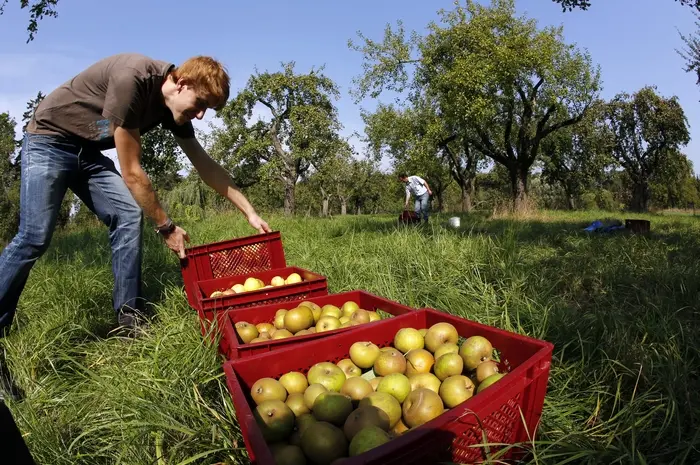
(131, 323)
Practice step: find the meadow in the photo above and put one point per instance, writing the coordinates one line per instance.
(621, 310)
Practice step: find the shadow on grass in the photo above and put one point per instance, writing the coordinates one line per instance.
(527, 230)
(89, 251)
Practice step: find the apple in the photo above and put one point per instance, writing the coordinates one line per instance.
(331, 310)
(407, 339)
(327, 323)
(327, 374)
(350, 369)
(349, 308)
(364, 354)
(251, 284)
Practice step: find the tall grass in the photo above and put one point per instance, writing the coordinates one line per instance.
(621, 309)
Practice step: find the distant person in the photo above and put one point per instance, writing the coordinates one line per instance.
(110, 105)
(421, 192)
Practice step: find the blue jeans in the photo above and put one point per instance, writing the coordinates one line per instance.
(422, 204)
(50, 166)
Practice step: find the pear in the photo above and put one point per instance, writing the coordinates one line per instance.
(475, 350)
(486, 369)
(489, 381)
(439, 334)
(455, 390)
(323, 442)
(365, 416)
(421, 406)
(276, 420)
(267, 389)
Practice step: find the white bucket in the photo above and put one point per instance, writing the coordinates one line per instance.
(454, 221)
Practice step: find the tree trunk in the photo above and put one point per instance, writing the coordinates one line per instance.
(640, 196)
(288, 197)
(518, 182)
(324, 212)
(570, 198)
(467, 193)
(343, 206)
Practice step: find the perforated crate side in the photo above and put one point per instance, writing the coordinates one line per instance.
(251, 254)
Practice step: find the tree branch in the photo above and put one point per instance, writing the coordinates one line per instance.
(268, 105)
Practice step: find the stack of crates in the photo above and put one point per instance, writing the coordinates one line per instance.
(467, 433)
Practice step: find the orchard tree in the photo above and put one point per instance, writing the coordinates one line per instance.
(301, 128)
(691, 54)
(9, 179)
(576, 156)
(418, 141)
(161, 158)
(673, 185)
(501, 84)
(647, 130)
(333, 178)
(373, 192)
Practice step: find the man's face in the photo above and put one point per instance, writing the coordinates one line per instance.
(187, 105)
(404, 179)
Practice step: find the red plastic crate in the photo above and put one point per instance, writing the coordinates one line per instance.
(243, 255)
(496, 412)
(233, 347)
(312, 285)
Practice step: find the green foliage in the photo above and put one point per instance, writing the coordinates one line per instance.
(418, 142)
(569, 5)
(37, 10)
(691, 54)
(575, 156)
(9, 180)
(161, 158)
(302, 129)
(501, 84)
(673, 185)
(647, 129)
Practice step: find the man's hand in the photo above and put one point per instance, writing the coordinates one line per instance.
(430, 192)
(258, 223)
(176, 241)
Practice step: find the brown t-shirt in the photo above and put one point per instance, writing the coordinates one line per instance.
(124, 89)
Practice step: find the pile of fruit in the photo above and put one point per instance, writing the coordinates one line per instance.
(344, 409)
(306, 318)
(253, 284)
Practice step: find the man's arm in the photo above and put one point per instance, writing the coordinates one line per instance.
(425, 183)
(128, 145)
(216, 177)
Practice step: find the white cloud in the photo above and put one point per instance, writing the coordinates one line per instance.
(15, 105)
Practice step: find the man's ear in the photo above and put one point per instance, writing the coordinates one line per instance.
(180, 84)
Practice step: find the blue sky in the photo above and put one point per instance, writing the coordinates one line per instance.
(632, 53)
